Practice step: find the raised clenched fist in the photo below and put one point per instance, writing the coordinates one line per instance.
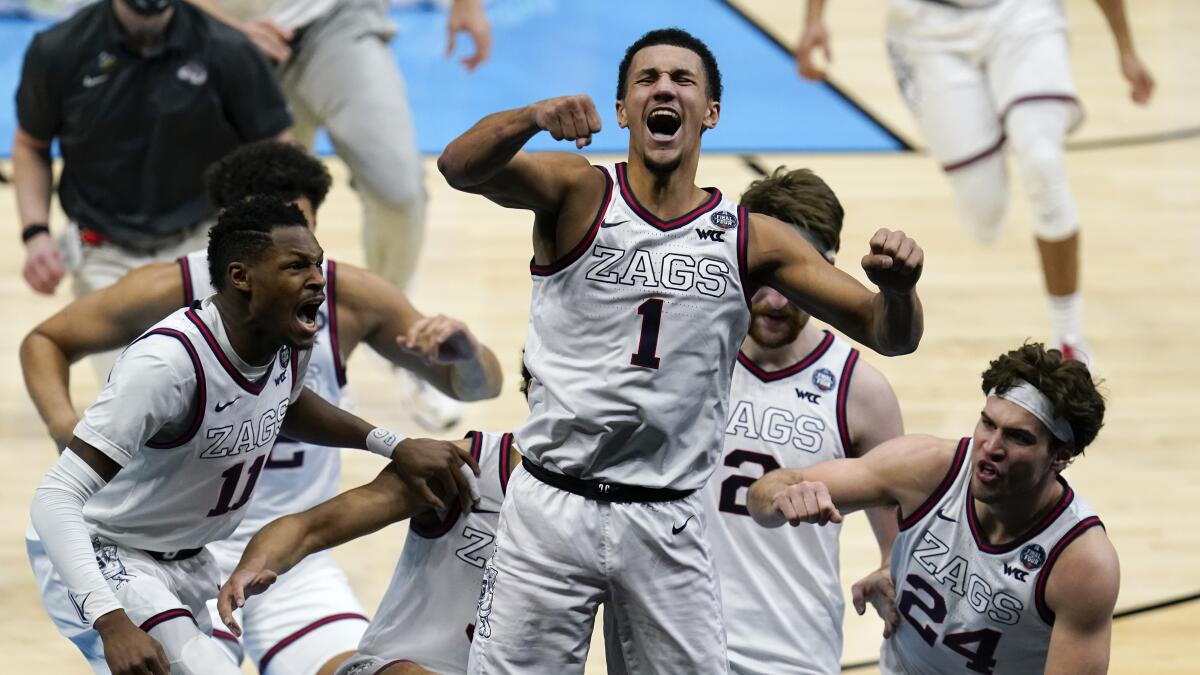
(568, 118)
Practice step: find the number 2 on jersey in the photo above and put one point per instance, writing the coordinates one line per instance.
(233, 476)
(731, 487)
(651, 311)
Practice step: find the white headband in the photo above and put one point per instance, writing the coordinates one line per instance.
(812, 238)
(1028, 397)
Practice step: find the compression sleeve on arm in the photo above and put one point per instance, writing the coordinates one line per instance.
(57, 514)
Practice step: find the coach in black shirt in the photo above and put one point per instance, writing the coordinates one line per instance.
(142, 96)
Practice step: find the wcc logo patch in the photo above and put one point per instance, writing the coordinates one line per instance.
(711, 235)
(824, 379)
(1033, 556)
(724, 220)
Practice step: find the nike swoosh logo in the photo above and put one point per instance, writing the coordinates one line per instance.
(614, 223)
(677, 530)
(222, 406)
(89, 81)
(945, 517)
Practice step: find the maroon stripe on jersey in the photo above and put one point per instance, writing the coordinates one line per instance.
(163, 617)
(1039, 593)
(771, 376)
(201, 390)
(185, 267)
(270, 654)
(1068, 495)
(960, 456)
(1065, 98)
(252, 387)
(228, 637)
(964, 163)
(714, 198)
(844, 395)
(584, 244)
(743, 254)
(339, 368)
(506, 442)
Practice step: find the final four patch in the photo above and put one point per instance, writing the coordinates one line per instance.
(724, 220)
(1033, 556)
(285, 355)
(824, 379)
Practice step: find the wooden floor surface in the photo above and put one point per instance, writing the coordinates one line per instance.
(1140, 209)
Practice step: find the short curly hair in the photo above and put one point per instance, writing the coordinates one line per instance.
(243, 233)
(1067, 383)
(801, 198)
(267, 167)
(673, 37)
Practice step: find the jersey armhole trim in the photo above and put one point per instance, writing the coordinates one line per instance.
(339, 368)
(455, 511)
(185, 268)
(1039, 593)
(743, 254)
(923, 510)
(201, 397)
(506, 442)
(583, 245)
(843, 398)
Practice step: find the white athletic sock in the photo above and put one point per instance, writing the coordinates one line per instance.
(1066, 316)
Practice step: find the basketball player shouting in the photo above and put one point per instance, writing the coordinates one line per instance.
(980, 74)
(999, 566)
(289, 631)
(167, 457)
(641, 282)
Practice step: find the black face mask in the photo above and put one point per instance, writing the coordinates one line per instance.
(150, 7)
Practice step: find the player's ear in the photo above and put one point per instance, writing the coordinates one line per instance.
(712, 115)
(238, 274)
(1062, 454)
(622, 121)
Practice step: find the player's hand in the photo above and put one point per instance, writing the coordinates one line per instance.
(814, 39)
(129, 650)
(246, 581)
(1141, 82)
(467, 16)
(568, 118)
(425, 463)
(44, 266)
(878, 589)
(440, 339)
(806, 502)
(271, 39)
(895, 261)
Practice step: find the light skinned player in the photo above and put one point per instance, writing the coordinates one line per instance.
(999, 565)
(980, 75)
(641, 285)
(164, 461)
(288, 630)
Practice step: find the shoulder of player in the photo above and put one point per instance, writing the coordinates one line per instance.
(161, 358)
(1085, 579)
(872, 404)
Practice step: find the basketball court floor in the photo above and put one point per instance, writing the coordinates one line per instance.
(1134, 172)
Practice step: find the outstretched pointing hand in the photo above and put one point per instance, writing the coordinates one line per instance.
(895, 261)
(568, 118)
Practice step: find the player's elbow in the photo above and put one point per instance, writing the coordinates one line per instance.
(454, 169)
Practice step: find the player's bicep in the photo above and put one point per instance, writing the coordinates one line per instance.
(1082, 592)
(873, 411)
(538, 182)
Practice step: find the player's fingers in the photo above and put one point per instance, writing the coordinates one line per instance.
(892, 245)
(811, 510)
(857, 597)
(451, 39)
(829, 512)
(567, 121)
(874, 262)
(160, 664)
(904, 251)
(472, 483)
(428, 496)
(783, 504)
(554, 124)
(878, 239)
(593, 117)
(467, 459)
(456, 483)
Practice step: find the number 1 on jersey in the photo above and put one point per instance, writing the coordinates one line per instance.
(651, 311)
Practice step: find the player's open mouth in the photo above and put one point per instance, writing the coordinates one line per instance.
(306, 313)
(772, 319)
(986, 472)
(663, 123)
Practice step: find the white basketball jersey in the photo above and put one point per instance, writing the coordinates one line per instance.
(971, 606)
(781, 589)
(297, 476)
(428, 612)
(191, 489)
(632, 339)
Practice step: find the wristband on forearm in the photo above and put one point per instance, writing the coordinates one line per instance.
(382, 442)
(33, 230)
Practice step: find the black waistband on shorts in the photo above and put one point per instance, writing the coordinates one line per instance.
(600, 490)
(174, 556)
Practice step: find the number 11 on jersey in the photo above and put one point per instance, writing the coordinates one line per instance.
(651, 311)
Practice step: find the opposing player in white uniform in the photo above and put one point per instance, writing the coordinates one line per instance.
(999, 566)
(427, 618)
(980, 74)
(292, 632)
(168, 457)
(641, 282)
(800, 396)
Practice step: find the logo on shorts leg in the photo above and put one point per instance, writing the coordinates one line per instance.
(483, 628)
(110, 564)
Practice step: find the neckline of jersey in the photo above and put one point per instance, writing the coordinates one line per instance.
(1064, 500)
(647, 215)
(773, 375)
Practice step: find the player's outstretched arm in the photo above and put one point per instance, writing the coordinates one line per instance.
(283, 543)
(440, 350)
(902, 471)
(1082, 592)
(107, 319)
(890, 321)
(487, 159)
(426, 465)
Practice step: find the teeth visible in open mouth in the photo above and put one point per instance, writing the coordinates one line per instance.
(663, 121)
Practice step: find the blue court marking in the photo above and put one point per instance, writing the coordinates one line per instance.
(544, 48)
